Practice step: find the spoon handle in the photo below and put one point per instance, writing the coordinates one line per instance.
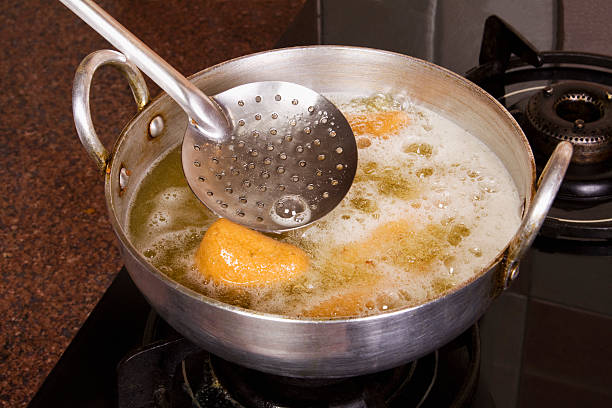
(204, 111)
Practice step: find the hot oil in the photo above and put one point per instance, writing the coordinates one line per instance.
(429, 208)
(167, 221)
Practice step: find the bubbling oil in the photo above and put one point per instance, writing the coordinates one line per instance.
(429, 208)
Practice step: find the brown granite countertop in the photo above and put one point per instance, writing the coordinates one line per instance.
(58, 253)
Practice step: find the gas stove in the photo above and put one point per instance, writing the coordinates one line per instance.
(557, 96)
(544, 342)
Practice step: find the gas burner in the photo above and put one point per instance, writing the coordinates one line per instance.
(555, 96)
(175, 373)
(205, 376)
(578, 112)
(575, 111)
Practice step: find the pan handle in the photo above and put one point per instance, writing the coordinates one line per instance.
(80, 98)
(547, 187)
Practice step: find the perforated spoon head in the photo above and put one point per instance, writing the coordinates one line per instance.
(290, 158)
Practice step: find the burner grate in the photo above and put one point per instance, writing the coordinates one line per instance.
(554, 96)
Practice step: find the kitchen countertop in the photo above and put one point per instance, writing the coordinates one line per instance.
(58, 253)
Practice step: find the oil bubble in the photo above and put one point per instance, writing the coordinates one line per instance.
(290, 211)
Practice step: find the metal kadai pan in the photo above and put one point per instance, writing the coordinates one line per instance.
(317, 348)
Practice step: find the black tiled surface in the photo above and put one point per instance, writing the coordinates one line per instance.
(501, 331)
(584, 282)
(567, 357)
(539, 392)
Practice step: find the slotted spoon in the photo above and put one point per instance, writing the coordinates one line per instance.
(270, 155)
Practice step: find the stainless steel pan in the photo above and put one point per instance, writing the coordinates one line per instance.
(333, 347)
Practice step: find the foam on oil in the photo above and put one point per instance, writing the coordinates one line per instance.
(429, 208)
